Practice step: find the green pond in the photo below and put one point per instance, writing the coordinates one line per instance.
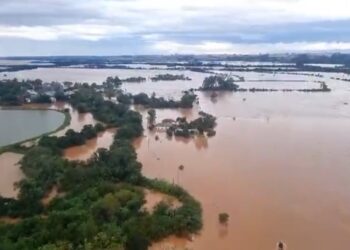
(20, 125)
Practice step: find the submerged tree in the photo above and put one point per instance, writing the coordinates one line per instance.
(219, 82)
(151, 118)
(223, 218)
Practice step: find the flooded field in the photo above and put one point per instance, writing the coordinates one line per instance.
(153, 198)
(78, 120)
(10, 173)
(84, 152)
(278, 165)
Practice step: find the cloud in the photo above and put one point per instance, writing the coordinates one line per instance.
(202, 24)
(210, 47)
(92, 32)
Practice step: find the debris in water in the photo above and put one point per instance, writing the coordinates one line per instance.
(280, 246)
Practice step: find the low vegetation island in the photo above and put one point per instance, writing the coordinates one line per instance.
(226, 83)
(182, 128)
(170, 77)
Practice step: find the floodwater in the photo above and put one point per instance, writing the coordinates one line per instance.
(78, 120)
(278, 165)
(168, 89)
(10, 173)
(153, 198)
(84, 152)
(277, 179)
(19, 125)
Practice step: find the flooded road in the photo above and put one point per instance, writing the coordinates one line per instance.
(10, 173)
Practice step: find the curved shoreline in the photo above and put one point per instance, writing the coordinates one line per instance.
(11, 147)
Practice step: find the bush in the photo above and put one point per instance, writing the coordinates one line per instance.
(223, 218)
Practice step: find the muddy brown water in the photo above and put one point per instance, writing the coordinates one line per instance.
(278, 165)
(280, 171)
(277, 181)
(84, 152)
(153, 198)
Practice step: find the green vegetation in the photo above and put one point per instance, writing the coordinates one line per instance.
(153, 102)
(323, 88)
(112, 82)
(151, 118)
(183, 128)
(169, 77)
(135, 79)
(71, 138)
(12, 91)
(223, 83)
(102, 205)
(218, 82)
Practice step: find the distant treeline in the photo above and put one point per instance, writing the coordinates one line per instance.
(225, 83)
(297, 62)
(170, 77)
(71, 138)
(186, 101)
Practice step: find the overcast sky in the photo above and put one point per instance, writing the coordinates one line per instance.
(115, 27)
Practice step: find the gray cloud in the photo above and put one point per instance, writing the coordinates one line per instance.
(182, 23)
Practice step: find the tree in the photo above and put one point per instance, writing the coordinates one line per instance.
(151, 118)
(223, 218)
(112, 82)
(219, 82)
